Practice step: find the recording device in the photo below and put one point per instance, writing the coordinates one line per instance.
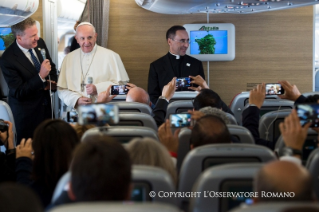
(180, 120)
(183, 82)
(98, 114)
(119, 90)
(308, 113)
(3, 126)
(89, 81)
(72, 116)
(43, 54)
(274, 89)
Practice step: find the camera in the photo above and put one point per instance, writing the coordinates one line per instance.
(274, 89)
(180, 120)
(3, 126)
(119, 90)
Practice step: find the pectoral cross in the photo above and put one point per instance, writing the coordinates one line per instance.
(82, 86)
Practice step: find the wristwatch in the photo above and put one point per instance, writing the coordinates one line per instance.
(288, 151)
(163, 97)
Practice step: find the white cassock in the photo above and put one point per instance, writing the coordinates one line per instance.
(103, 65)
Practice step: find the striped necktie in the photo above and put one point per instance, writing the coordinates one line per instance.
(35, 61)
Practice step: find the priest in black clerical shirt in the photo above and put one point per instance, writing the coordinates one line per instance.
(174, 64)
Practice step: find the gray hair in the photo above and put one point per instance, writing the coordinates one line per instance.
(216, 112)
(18, 29)
(147, 151)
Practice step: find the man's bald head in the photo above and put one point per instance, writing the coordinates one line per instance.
(283, 176)
(138, 94)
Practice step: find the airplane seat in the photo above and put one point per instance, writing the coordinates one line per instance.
(237, 105)
(115, 207)
(269, 124)
(6, 114)
(200, 158)
(123, 133)
(148, 178)
(309, 145)
(119, 98)
(132, 107)
(313, 167)
(278, 207)
(4, 89)
(184, 95)
(232, 119)
(180, 106)
(136, 119)
(313, 92)
(61, 186)
(243, 135)
(221, 178)
(144, 178)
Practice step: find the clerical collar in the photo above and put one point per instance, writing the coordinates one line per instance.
(176, 56)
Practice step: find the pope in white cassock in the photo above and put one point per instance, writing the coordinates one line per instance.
(102, 65)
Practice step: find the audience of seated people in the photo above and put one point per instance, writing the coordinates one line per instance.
(40, 163)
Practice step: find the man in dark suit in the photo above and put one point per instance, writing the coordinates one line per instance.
(29, 77)
(174, 64)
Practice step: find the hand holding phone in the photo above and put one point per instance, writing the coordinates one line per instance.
(180, 120)
(274, 89)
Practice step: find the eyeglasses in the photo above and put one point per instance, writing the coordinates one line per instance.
(184, 41)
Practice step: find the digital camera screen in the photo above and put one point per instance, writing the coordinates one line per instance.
(308, 113)
(98, 114)
(119, 90)
(180, 120)
(208, 42)
(274, 89)
(183, 82)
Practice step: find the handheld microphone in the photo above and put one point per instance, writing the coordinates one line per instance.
(89, 81)
(43, 54)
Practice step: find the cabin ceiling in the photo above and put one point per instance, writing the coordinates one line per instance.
(220, 6)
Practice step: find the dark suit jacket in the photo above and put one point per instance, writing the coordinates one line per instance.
(161, 72)
(29, 102)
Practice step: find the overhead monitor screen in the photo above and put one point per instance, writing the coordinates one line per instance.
(6, 38)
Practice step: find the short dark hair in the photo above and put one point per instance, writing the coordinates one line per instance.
(18, 29)
(17, 197)
(210, 129)
(171, 32)
(100, 170)
(207, 97)
(53, 144)
(312, 99)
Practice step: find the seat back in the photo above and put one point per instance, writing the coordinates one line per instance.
(242, 133)
(136, 119)
(122, 133)
(231, 118)
(184, 95)
(222, 179)
(148, 178)
(132, 107)
(311, 93)
(269, 124)
(206, 156)
(309, 145)
(180, 106)
(61, 186)
(115, 207)
(312, 165)
(6, 114)
(275, 105)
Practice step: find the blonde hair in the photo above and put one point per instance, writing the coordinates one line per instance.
(147, 151)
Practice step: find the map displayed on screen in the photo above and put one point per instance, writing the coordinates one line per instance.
(6, 38)
(208, 42)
